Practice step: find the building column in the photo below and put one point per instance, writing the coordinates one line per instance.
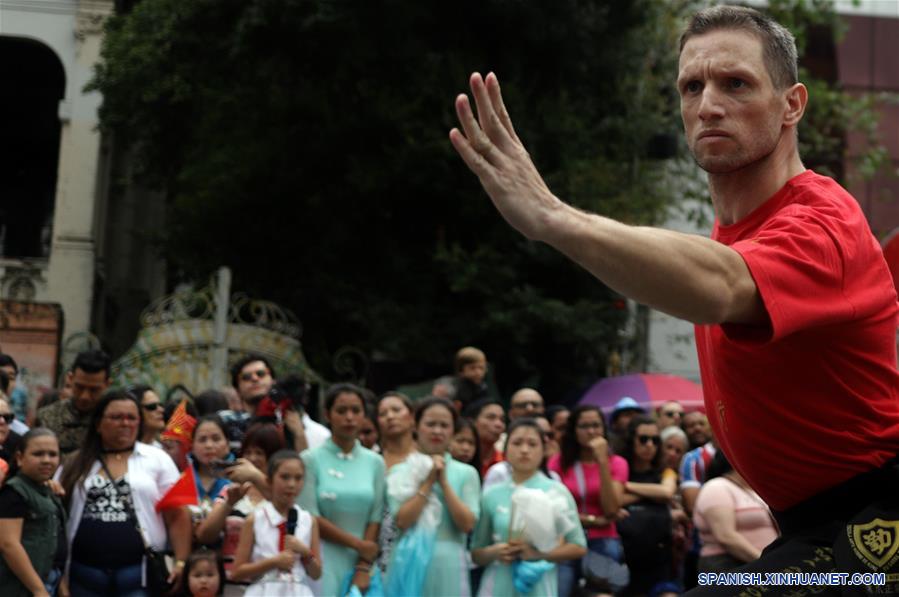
(80, 187)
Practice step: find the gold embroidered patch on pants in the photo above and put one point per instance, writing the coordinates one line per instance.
(875, 543)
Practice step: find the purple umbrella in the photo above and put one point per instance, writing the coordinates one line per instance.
(648, 389)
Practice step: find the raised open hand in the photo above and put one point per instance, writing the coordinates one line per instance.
(493, 151)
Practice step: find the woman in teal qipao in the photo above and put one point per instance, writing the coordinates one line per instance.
(532, 544)
(435, 501)
(344, 489)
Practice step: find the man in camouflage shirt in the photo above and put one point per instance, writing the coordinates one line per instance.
(69, 419)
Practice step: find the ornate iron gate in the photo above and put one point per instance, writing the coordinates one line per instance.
(189, 338)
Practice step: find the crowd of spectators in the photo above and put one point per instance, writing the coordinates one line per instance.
(384, 495)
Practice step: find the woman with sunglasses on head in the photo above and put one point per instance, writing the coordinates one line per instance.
(111, 486)
(646, 531)
(435, 501)
(153, 422)
(499, 541)
(595, 477)
(344, 489)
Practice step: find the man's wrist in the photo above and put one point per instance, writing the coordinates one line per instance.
(554, 220)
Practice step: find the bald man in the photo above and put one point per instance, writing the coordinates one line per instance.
(526, 402)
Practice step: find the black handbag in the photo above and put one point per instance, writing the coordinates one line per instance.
(157, 572)
(156, 569)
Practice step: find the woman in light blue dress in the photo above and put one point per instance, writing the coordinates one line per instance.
(435, 502)
(546, 528)
(344, 489)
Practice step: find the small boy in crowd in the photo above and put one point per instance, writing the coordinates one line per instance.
(470, 365)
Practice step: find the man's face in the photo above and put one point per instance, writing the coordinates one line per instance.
(254, 380)
(87, 388)
(670, 414)
(559, 423)
(368, 433)
(525, 403)
(697, 428)
(732, 114)
(474, 372)
(624, 419)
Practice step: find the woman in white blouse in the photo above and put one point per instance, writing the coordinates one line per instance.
(112, 485)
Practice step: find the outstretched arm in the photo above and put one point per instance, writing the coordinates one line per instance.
(687, 276)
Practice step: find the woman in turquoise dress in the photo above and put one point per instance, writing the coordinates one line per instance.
(535, 541)
(344, 489)
(435, 503)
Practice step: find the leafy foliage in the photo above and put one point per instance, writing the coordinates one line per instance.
(303, 143)
(832, 112)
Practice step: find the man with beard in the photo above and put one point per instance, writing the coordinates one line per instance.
(794, 306)
(69, 419)
(696, 426)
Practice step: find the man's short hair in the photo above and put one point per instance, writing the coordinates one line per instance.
(778, 44)
(237, 367)
(6, 360)
(467, 356)
(93, 361)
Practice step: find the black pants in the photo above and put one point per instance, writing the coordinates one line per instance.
(850, 528)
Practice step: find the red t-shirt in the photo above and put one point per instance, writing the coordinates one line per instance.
(812, 399)
(495, 457)
(591, 502)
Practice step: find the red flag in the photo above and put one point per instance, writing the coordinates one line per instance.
(180, 426)
(182, 493)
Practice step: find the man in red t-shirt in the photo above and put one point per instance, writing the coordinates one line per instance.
(794, 307)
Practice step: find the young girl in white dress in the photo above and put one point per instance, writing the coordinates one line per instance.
(279, 542)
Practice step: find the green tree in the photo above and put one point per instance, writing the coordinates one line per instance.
(303, 143)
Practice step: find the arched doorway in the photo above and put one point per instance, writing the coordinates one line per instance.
(33, 85)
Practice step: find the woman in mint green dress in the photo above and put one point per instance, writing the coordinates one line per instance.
(344, 489)
(435, 503)
(535, 538)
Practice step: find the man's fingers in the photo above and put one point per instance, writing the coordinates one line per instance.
(476, 137)
(496, 99)
(474, 160)
(473, 132)
(487, 118)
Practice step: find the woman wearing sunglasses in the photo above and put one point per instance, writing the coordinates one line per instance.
(648, 492)
(153, 422)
